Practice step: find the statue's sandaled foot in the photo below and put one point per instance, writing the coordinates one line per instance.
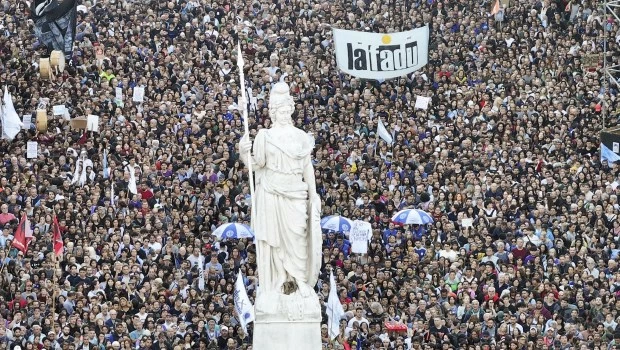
(289, 287)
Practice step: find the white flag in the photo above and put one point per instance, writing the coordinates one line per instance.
(383, 133)
(133, 187)
(112, 201)
(201, 272)
(334, 309)
(11, 122)
(245, 309)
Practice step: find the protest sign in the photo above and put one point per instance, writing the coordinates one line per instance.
(27, 121)
(59, 109)
(92, 123)
(32, 149)
(359, 235)
(138, 94)
(421, 102)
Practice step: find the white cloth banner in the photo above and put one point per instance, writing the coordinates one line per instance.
(381, 56)
(359, 235)
(243, 306)
(79, 173)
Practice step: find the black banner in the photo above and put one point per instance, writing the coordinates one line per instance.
(55, 22)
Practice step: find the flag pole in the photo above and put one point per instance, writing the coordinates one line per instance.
(53, 313)
(56, 266)
(246, 126)
(246, 122)
(6, 255)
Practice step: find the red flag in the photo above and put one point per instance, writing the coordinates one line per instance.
(23, 235)
(59, 245)
(83, 139)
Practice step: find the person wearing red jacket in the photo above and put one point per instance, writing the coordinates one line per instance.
(491, 295)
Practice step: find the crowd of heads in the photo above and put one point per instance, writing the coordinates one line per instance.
(524, 250)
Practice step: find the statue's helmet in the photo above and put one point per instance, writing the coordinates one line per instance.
(280, 96)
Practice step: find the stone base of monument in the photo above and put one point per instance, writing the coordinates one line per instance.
(287, 322)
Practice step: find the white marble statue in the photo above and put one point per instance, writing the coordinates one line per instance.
(286, 219)
(286, 222)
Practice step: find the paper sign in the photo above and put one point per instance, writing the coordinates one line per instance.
(616, 147)
(467, 222)
(421, 102)
(119, 93)
(359, 235)
(59, 109)
(27, 121)
(32, 149)
(92, 123)
(138, 94)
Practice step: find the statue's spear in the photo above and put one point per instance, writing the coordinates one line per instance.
(246, 122)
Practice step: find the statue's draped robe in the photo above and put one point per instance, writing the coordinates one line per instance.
(285, 238)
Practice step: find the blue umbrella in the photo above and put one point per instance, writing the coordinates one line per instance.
(412, 216)
(233, 231)
(336, 223)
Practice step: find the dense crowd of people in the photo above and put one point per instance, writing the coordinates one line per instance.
(524, 250)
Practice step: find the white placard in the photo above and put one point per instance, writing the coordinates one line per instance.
(138, 94)
(59, 110)
(467, 222)
(92, 123)
(359, 235)
(27, 121)
(422, 102)
(119, 93)
(32, 149)
(616, 147)
(381, 55)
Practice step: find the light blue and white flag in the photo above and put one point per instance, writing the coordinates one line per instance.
(106, 168)
(245, 309)
(201, 273)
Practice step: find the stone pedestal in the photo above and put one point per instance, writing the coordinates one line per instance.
(285, 322)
